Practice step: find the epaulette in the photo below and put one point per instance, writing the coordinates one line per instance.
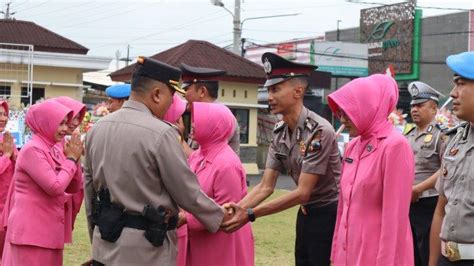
(454, 130)
(409, 131)
(279, 126)
(311, 124)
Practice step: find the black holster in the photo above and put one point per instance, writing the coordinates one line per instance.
(109, 217)
(160, 221)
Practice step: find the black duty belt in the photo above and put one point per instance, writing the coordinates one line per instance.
(138, 222)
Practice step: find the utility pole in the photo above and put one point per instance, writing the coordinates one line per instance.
(237, 29)
(128, 55)
(337, 31)
(6, 13)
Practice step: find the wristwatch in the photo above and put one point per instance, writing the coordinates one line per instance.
(72, 159)
(251, 215)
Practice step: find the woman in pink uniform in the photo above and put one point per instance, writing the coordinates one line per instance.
(222, 178)
(73, 201)
(35, 230)
(372, 226)
(8, 154)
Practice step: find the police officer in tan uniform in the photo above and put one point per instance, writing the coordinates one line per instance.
(304, 145)
(428, 143)
(137, 175)
(201, 85)
(452, 231)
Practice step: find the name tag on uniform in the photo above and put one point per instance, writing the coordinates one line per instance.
(449, 158)
(349, 160)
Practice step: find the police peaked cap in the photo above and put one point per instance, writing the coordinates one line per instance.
(192, 75)
(462, 64)
(119, 91)
(279, 69)
(154, 69)
(421, 92)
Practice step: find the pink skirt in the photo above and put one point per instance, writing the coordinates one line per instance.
(31, 255)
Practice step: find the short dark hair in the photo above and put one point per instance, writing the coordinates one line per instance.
(212, 88)
(141, 84)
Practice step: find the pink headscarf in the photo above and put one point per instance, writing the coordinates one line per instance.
(5, 106)
(213, 124)
(44, 119)
(176, 109)
(367, 102)
(76, 106)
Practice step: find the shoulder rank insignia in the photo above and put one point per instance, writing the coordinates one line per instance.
(302, 148)
(444, 138)
(310, 124)
(430, 128)
(279, 126)
(408, 129)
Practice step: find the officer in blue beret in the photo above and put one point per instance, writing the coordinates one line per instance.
(452, 232)
(117, 95)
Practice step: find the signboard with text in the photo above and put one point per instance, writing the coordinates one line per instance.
(388, 32)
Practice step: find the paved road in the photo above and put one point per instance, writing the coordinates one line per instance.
(283, 182)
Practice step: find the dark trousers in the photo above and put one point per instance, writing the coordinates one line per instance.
(421, 216)
(445, 262)
(314, 232)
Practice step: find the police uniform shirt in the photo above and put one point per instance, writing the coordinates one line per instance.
(139, 159)
(428, 147)
(456, 183)
(311, 149)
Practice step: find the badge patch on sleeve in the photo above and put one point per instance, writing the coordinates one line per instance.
(315, 144)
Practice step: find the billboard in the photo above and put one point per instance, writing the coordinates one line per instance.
(389, 33)
(339, 58)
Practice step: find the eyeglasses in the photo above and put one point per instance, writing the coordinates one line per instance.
(340, 113)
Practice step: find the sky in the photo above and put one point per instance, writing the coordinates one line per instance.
(149, 27)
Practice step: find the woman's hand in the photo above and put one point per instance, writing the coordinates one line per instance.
(74, 147)
(8, 145)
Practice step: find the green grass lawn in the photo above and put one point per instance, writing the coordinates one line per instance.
(274, 239)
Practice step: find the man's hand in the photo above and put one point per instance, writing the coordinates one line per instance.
(181, 219)
(415, 194)
(239, 218)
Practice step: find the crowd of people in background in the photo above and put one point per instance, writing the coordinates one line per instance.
(154, 196)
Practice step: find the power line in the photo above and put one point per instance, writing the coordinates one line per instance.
(32, 7)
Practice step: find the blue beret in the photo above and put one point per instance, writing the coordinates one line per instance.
(118, 91)
(462, 64)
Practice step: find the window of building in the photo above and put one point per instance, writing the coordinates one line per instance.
(242, 116)
(5, 91)
(245, 94)
(38, 93)
(234, 93)
(222, 93)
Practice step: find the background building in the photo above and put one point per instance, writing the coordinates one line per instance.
(237, 88)
(37, 63)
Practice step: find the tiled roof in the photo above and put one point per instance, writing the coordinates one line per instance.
(204, 54)
(44, 40)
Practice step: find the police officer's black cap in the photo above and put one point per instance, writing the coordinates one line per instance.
(279, 69)
(192, 75)
(154, 69)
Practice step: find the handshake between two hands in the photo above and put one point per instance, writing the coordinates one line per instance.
(235, 217)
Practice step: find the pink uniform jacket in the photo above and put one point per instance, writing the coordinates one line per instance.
(7, 167)
(222, 178)
(73, 202)
(372, 226)
(42, 176)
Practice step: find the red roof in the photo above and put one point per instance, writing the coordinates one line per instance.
(44, 40)
(204, 54)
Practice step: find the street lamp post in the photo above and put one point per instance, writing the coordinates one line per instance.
(237, 30)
